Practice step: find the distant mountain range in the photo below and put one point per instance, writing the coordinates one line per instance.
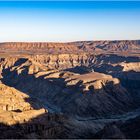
(127, 46)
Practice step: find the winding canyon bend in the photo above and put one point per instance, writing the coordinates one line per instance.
(85, 89)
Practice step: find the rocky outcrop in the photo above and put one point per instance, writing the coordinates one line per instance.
(101, 94)
(17, 107)
(11, 99)
(135, 66)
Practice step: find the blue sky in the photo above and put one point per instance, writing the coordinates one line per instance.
(63, 21)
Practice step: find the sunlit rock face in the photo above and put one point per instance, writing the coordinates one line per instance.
(15, 108)
(69, 90)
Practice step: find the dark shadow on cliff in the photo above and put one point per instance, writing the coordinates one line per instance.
(120, 130)
(107, 69)
(42, 126)
(78, 69)
(131, 81)
(114, 58)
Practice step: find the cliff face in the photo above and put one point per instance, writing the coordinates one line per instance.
(63, 61)
(60, 90)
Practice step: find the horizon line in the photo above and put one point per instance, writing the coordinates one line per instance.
(69, 41)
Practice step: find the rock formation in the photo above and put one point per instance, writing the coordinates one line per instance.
(69, 90)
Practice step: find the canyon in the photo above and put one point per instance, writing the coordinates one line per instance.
(85, 89)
